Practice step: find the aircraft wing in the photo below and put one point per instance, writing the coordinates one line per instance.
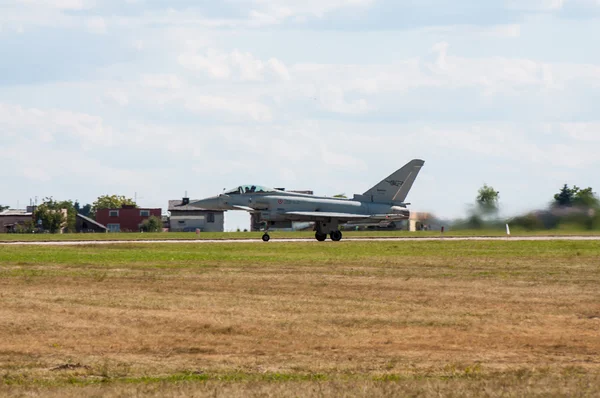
(246, 208)
(311, 215)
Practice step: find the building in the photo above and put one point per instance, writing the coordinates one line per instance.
(126, 219)
(85, 224)
(11, 220)
(185, 218)
(420, 221)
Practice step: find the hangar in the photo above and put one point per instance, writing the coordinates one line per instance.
(185, 218)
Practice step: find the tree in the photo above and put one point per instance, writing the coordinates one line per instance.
(564, 198)
(487, 199)
(152, 224)
(576, 196)
(50, 215)
(47, 213)
(71, 220)
(2, 208)
(85, 210)
(586, 198)
(110, 202)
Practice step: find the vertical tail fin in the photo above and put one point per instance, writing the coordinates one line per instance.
(395, 188)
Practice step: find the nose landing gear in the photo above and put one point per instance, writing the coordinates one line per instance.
(266, 237)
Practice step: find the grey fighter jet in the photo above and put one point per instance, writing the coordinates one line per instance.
(385, 201)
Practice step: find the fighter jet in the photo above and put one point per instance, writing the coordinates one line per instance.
(383, 202)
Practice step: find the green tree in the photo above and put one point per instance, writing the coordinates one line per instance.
(85, 210)
(576, 196)
(586, 198)
(71, 215)
(50, 215)
(488, 199)
(152, 224)
(110, 202)
(564, 197)
(2, 208)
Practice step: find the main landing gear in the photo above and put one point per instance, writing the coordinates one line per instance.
(334, 233)
(322, 229)
(320, 237)
(335, 236)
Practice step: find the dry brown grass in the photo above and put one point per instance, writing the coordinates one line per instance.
(495, 319)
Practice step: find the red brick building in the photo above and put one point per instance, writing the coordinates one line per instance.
(126, 219)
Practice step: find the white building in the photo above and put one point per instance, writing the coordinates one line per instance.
(185, 218)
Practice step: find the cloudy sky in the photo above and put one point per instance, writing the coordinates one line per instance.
(160, 97)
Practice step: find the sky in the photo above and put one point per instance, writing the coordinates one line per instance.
(154, 98)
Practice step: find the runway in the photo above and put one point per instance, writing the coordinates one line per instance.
(274, 240)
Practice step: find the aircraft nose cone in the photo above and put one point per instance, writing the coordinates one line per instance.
(212, 203)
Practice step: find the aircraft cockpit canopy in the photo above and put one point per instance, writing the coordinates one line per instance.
(244, 189)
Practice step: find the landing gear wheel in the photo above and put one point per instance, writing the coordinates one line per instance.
(336, 236)
(320, 237)
(266, 237)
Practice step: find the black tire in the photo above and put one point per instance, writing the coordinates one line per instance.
(320, 237)
(336, 236)
(266, 238)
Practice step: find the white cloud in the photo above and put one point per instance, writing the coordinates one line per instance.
(52, 124)
(166, 81)
(333, 99)
(278, 68)
(247, 109)
(552, 6)
(215, 64)
(512, 31)
(273, 12)
(442, 70)
(96, 25)
(586, 132)
(58, 4)
(507, 31)
(536, 5)
(117, 96)
(341, 160)
(237, 64)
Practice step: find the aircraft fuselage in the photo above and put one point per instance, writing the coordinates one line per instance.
(278, 206)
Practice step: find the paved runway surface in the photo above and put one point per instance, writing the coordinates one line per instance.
(274, 240)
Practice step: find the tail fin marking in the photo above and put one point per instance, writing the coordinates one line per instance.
(395, 188)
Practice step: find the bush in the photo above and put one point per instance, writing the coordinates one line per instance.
(152, 224)
(529, 222)
(25, 228)
(474, 222)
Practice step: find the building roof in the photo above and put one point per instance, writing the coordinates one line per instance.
(175, 205)
(87, 219)
(16, 212)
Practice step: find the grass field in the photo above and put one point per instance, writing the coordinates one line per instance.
(291, 319)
